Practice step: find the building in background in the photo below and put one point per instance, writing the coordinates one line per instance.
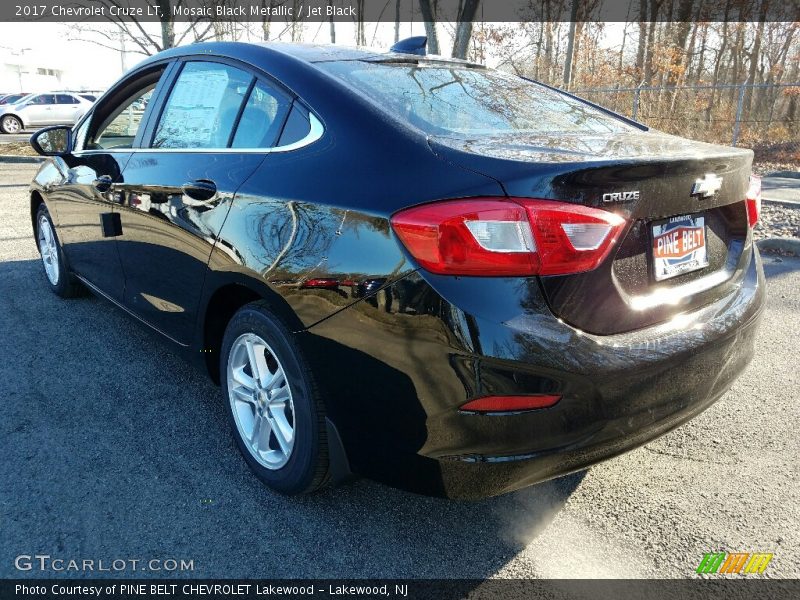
(27, 70)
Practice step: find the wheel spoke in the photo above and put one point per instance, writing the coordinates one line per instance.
(260, 436)
(244, 394)
(258, 362)
(243, 379)
(283, 431)
(277, 379)
(280, 437)
(279, 396)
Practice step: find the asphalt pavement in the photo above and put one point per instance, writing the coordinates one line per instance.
(113, 448)
(7, 138)
(781, 189)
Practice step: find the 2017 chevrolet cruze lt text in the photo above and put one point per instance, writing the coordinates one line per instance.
(416, 269)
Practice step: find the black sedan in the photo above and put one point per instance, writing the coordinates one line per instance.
(420, 270)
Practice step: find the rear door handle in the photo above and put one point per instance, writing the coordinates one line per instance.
(200, 189)
(103, 183)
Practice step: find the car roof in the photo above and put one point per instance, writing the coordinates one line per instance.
(306, 53)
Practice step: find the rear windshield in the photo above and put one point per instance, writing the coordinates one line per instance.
(447, 99)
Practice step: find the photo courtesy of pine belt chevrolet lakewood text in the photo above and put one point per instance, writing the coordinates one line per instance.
(414, 269)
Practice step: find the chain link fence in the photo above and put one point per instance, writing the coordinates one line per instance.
(764, 117)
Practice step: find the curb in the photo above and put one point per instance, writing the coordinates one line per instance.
(789, 174)
(788, 203)
(12, 158)
(780, 244)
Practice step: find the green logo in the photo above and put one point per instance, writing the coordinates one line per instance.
(734, 562)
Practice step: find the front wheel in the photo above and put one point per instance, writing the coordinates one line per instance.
(62, 282)
(11, 124)
(273, 405)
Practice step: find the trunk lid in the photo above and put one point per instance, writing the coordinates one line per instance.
(648, 178)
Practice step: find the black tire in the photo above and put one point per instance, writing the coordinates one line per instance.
(10, 118)
(67, 285)
(308, 465)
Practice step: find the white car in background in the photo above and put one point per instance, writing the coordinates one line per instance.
(39, 110)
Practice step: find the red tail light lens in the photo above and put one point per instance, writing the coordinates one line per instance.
(493, 404)
(507, 237)
(753, 200)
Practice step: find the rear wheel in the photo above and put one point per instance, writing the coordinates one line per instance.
(11, 124)
(56, 269)
(274, 407)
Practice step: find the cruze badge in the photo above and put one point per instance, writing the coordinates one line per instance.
(707, 185)
(621, 196)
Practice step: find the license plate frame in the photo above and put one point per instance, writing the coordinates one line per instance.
(678, 246)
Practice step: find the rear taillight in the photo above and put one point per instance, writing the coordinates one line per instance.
(507, 237)
(501, 404)
(753, 200)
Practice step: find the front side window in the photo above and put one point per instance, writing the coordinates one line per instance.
(202, 107)
(42, 99)
(119, 128)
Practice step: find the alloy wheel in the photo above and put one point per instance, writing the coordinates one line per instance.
(48, 249)
(11, 125)
(261, 401)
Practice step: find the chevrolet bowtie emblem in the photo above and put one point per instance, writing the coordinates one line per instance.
(707, 185)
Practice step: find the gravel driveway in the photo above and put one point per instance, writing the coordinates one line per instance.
(113, 448)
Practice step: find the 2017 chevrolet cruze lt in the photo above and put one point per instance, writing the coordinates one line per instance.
(419, 270)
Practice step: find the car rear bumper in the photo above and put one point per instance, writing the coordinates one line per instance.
(400, 420)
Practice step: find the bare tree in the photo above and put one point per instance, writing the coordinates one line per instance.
(573, 26)
(428, 10)
(466, 15)
(144, 40)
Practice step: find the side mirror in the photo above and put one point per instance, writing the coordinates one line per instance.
(52, 141)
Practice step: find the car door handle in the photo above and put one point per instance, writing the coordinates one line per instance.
(200, 189)
(103, 183)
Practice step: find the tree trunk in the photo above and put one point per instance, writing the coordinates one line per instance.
(396, 21)
(755, 55)
(332, 25)
(573, 26)
(464, 28)
(642, 46)
(430, 26)
(651, 39)
(266, 20)
(167, 24)
(682, 28)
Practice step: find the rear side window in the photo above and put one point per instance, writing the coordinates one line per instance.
(262, 118)
(453, 99)
(65, 99)
(297, 126)
(202, 107)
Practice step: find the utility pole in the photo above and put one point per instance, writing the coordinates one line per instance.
(122, 51)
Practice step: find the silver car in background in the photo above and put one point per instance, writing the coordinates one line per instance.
(39, 110)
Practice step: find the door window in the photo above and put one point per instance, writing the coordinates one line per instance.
(262, 118)
(297, 126)
(65, 99)
(42, 99)
(120, 127)
(202, 107)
